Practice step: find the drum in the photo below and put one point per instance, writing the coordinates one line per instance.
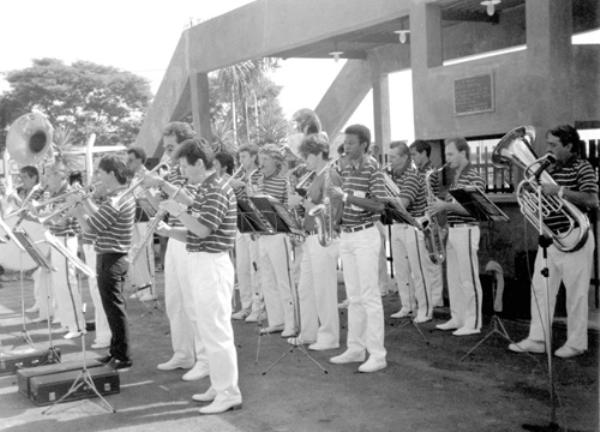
(11, 257)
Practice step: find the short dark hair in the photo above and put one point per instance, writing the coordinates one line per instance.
(138, 152)
(76, 177)
(421, 146)
(31, 171)
(314, 144)
(567, 134)
(116, 165)
(181, 130)
(460, 143)
(192, 150)
(308, 120)
(401, 145)
(251, 149)
(226, 161)
(362, 132)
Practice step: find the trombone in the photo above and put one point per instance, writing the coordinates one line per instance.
(135, 183)
(87, 192)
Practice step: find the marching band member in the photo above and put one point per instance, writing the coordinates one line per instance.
(464, 286)
(576, 182)
(223, 164)
(112, 223)
(64, 279)
(142, 269)
(317, 288)
(408, 251)
(209, 234)
(420, 151)
(188, 349)
(362, 189)
(246, 247)
(275, 250)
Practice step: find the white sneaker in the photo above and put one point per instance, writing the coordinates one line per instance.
(253, 316)
(32, 309)
(567, 352)
(208, 396)
(72, 334)
(466, 331)
(372, 365)
(448, 325)
(199, 371)
(100, 345)
(271, 329)
(317, 346)
(349, 357)
(421, 319)
(241, 314)
(286, 333)
(402, 313)
(222, 404)
(528, 345)
(175, 363)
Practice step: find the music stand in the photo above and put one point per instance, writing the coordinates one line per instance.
(251, 220)
(478, 205)
(25, 245)
(282, 221)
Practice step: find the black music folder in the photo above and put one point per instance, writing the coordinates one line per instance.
(478, 205)
(251, 220)
(277, 215)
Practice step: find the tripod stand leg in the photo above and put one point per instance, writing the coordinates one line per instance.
(420, 332)
(281, 357)
(311, 358)
(486, 337)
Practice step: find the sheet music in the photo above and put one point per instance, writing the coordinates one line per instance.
(71, 257)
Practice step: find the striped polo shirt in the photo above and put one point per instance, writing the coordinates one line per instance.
(176, 178)
(61, 226)
(113, 225)
(275, 186)
(412, 188)
(577, 175)
(215, 207)
(366, 181)
(468, 177)
(241, 193)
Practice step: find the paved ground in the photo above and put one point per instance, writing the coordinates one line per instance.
(425, 388)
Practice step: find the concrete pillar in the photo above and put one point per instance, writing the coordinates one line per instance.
(549, 63)
(199, 94)
(425, 52)
(381, 112)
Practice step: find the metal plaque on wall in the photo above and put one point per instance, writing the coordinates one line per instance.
(474, 94)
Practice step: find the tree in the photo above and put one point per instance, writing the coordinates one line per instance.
(244, 105)
(84, 97)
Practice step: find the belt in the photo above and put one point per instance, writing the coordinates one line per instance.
(356, 228)
(462, 225)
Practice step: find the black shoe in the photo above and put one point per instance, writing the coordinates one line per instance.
(106, 359)
(117, 364)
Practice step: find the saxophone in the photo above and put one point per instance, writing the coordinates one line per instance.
(434, 233)
(323, 213)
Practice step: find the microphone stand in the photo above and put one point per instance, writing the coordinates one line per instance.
(545, 242)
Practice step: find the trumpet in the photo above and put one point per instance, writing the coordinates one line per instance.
(235, 174)
(87, 192)
(135, 183)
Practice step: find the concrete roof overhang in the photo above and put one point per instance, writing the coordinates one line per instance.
(313, 29)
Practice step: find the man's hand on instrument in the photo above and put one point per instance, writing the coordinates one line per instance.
(294, 200)
(236, 183)
(438, 206)
(152, 180)
(335, 192)
(550, 189)
(173, 207)
(308, 204)
(163, 229)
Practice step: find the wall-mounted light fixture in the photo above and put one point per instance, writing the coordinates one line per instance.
(402, 35)
(336, 55)
(490, 6)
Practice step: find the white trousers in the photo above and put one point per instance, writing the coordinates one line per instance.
(464, 286)
(408, 240)
(66, 290)
(404, 280)
(185, 340)
(275, 275)
(103, 334)
(209, 278)
(142, 269)
(360, 257)
(574, 269)
(43, 292)
(317, 292)
(246, 257)
(385, 281)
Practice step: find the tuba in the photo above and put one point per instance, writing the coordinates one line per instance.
(516, 147)
(29, 139)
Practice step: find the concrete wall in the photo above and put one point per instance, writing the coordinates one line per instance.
(516, 100)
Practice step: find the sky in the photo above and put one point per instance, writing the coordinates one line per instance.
(140, 37)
